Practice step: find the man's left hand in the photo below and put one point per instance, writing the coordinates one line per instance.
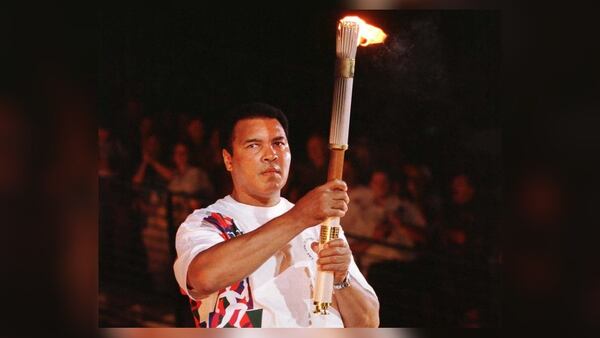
(335, 256)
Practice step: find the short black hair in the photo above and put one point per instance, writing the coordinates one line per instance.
(249, 111)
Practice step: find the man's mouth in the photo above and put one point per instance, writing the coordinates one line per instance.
(272, 171)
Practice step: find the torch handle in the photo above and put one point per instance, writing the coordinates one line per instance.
(336, 164)
(330, 230)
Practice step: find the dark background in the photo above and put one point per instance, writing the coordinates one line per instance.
(429, 93)
(549, 116)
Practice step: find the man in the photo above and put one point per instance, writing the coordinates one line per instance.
(248, 260)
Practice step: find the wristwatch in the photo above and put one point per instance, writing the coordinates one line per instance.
(344, 284)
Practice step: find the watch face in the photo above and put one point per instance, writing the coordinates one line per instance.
(344, 283)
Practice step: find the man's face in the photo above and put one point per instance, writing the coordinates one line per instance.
(261, 158)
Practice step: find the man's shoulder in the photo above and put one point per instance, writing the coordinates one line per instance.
(219, 207)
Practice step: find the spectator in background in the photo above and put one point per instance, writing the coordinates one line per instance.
(186, 178)
(396, 271)
(463, 235)
(191, 185)
(465, 242)
(375, 213)
(363, 159)
(145, 128)
(415, 186)
(350, 176)
(365, 212)
(118, 237)
(218, 175)
(313, 172)
(111, 154)
(195, 140)
(151, 172)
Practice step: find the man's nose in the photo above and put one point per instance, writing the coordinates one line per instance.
(270, 154)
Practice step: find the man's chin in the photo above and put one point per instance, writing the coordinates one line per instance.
(273, 186)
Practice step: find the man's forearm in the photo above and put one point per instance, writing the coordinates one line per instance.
(235, 259)
(357, 306)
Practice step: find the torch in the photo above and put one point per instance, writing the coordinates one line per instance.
(351, 32)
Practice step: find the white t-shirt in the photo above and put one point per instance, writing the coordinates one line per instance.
(285, 296)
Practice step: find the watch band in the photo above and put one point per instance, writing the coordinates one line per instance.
(344, 284)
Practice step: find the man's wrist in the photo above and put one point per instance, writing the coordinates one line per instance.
(290, 218)
(344, 283)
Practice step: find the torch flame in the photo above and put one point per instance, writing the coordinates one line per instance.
(367, 34)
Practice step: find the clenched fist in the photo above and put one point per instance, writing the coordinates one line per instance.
(336, 257)
(328, 200)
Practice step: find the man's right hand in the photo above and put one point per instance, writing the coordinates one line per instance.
(328, 200)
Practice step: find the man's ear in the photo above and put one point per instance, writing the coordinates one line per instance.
(227, 159)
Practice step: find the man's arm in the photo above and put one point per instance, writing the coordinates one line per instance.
(357, 306)
(208, 271)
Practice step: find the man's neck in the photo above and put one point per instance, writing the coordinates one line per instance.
(259, 201)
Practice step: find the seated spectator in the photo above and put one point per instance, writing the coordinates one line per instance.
(186, 178)
(464, 232)
(363, 155)
(375, 214)
(465, 241)
(416, 187)
(151, 173)
(137, 138)
(197, 145)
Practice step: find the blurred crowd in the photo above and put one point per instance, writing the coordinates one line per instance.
(427, 244)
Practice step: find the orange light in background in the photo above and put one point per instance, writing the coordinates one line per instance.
(367, 34)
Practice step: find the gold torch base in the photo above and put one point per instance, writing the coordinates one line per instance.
(321, 308)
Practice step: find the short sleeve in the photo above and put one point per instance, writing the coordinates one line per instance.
(193, 236)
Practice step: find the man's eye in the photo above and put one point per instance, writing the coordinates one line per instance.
(252, 145)
(280, 144)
